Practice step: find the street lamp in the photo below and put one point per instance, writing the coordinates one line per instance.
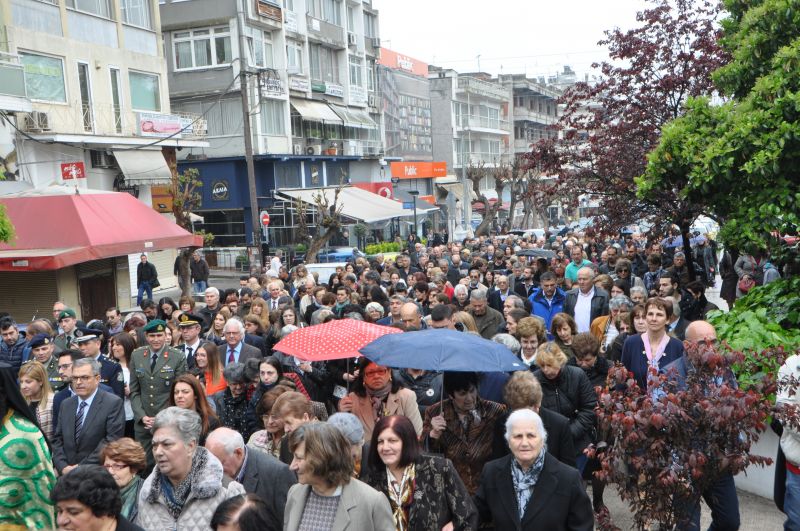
(414, 194)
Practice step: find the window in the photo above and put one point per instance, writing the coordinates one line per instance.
(369, 25)
(327, 10)
(145, 93)
(356, 71)
(351, 18)
(272, 120)
(294, 57)
(86, 97)
(324, 63)
(44, 77)
(116, 98)
(260, 48)
(100, 8)
(202, 48)
(371, 86)
(136, 13)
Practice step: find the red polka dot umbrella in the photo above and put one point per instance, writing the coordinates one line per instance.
(334, 340)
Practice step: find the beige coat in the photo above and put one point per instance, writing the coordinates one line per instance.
(403, 402)
(361, 508)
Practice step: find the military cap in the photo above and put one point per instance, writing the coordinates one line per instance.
(189, 319)
(67, 312)
(83, 334)
(40, 340)
(155, 326)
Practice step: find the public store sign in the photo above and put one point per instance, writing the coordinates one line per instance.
(418, 170)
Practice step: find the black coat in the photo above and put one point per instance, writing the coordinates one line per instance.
(599, 303)
(571, 394)
(598, 374)
(559, 501)
(269, 479)
(559, 437)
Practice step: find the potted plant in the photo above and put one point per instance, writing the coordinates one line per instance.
(333, 149)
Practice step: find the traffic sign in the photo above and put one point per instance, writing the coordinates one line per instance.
(408, 205)
(264, 218)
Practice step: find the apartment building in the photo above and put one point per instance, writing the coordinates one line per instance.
(311, 95)
(85, 109)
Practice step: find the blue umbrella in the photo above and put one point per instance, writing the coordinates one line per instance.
(441, 350)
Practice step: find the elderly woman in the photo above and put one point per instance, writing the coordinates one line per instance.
(461, 297)
(530, 489)
(465, 428)
(653, 348)
(269, 439)
(124, 459)
(375, 311)
(567, 390)
(531, 334)
(186, 485)
(187, 392)
(353, 431)
(509, 341)
(327, 497)
(425, 491)
(88, 498)
(375, 394)
(638, 295)
(603, 327)
(231, 404)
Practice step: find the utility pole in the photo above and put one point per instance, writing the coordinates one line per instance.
(255, 239)
(414, 194)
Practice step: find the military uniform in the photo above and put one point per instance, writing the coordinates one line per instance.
(150, 386)
(51, 367)
(66, 341)
(110, 370)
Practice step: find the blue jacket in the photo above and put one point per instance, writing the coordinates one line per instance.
(540, 307)
(14, 355)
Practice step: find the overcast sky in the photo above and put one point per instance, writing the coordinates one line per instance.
(536, 37)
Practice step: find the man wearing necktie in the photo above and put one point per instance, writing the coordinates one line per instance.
(236, 350)
(67, 321)
(153, 369)
(190, 326)
(87, 421)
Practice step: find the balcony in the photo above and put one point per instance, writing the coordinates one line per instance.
(471, 122)
(337, 147)
(325, 32)
(110, 120)
(483, 89)
(476, 158)
(13, 95)
(524, 113)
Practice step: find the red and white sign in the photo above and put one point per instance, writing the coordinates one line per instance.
(399, 61)
(73, 170)
(264, 218)
(382, 189)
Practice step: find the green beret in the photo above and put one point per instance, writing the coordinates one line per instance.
(155, 326)
(67, 312)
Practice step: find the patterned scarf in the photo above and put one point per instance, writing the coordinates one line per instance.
(175, 497)
(401, 496)
(524, 481)
(378, 398)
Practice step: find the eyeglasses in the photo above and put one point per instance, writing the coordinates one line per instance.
(623, 270)
(115, 467)
(82, 378)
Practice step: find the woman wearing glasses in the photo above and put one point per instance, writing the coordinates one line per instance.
(124, 459)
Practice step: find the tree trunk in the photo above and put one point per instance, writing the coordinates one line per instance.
(185, 275)
(317, 243)
(488, 217)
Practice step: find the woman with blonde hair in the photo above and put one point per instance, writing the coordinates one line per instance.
(259, 308)
(467, 321)
(35, 387)
(215, 333)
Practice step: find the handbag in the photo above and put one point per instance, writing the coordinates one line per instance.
(155, 283)
(746, 284)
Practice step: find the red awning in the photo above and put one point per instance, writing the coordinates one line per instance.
(55, 231)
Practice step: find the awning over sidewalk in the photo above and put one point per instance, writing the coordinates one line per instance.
(143, 166)
(315, 111)
(354, 117)
(358, 203)
(55, 230)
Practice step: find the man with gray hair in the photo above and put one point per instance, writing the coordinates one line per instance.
(395, 303)
(87, 421)
(488, 320)
(211, 308)
(586, 302)
(258, 472)
(237, 351)
(509, 342)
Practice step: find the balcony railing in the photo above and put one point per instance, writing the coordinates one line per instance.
(465, 121)
(483, 88)
(102, 119)
(476, 158)
(524, 113)
(344, 147)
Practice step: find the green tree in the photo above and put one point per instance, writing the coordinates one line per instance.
(186, 196)
(739, 154)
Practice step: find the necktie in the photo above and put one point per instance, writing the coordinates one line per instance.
(153, 357)
(188, 352)
(79, 420)
(274, 304)
(231, 355)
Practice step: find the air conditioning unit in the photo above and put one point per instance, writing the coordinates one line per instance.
(314, 150)
(102, 159)
(37, 121)
(297, 149)
(376, 42)
(372, 100)
(351, 39)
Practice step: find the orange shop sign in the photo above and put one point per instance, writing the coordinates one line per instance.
(418, 170)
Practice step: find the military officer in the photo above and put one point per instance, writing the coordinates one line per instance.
(67, 322)
(190, 326)
(88, 341)
(42, 348)
(153, 369)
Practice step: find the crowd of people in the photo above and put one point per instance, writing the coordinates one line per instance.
(185, 416)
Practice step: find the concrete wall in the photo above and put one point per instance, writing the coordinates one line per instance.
(441, 91)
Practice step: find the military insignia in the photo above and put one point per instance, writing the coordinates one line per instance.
(183, 318)
(78, 333)
(429, 392)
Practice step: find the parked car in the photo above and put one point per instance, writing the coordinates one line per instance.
(339, 254)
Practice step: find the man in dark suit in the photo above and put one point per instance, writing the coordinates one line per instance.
(65, 361)
(190, 326)
(586, 302)
(259, 473)
(87, 421)
(88, 341)
(525, 286)
(236, 350)
(497, 295)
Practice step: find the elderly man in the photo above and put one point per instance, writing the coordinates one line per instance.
(89, 340)
(488, 320)
(257, 472)
(87, 421)
(236, 350)
(411, 316)
(499, 293)
(586, 302)
(212, 307)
